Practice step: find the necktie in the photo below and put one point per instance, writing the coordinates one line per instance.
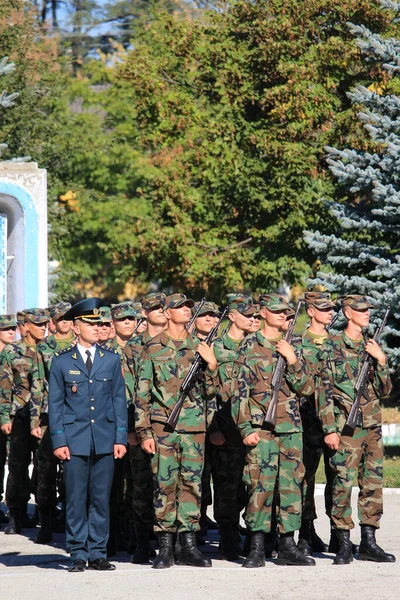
(89, 363)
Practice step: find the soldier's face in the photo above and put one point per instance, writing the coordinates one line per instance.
(321, 315)
(22, 328)
(36, 330)
(142, 327)
(87, 332)
(205, 323)
(63, 326)
(7, 335)
(274, 318)
(51, 326)
(358, 317)
(256, 324)
(180, 315)
(243, 322)
(156, 316)
(125, 326)
(104, 333)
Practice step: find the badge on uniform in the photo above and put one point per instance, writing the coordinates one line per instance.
(74, 389)
(74, 372)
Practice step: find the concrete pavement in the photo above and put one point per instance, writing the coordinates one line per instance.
(36, 572)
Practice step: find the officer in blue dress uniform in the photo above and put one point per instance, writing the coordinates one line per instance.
(88, 425)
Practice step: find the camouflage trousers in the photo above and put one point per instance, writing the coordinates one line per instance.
(142, 489)
(177, 470)
(277, 459)
(23, 448)
(358, 457)
(313, 449)
(227, 464)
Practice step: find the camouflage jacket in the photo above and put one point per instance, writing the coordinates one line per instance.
(312, 350)
(19, 363)
(345, 358)
(162, 370)
(227, 353)
(113, 346)
(253, 391)
(133, 351)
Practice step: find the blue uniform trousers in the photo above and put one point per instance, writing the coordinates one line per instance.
(88, 482)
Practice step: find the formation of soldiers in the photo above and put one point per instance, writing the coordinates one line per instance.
(264, 471)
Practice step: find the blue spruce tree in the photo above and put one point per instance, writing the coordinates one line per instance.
(363, 255)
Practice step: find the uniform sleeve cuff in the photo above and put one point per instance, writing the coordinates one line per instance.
(145, 434)
(295, 367)
(248, 430)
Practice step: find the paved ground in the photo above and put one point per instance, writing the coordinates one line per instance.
(35, 572)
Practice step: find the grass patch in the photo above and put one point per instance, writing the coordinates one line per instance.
(391, 468)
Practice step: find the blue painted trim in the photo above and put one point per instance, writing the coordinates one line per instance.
(31, 234)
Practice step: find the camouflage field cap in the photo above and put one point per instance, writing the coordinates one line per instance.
(105, 314)
(154, 300)
(21, 317)
(290, 313)
(87, 310)
(257, 313)
(319, 300)
(242, 303)
(58, 310)
(177, 300)
(123, 310)
(7, 321)
(36, 315)
(274, 302)
(138, 308)
(208, 307)
(355, 301)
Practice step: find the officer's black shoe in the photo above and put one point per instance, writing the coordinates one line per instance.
(289, 554)
(369, 549)
(77, 566)
(256, 555)
(141, 555)
(165, 557)
(190, 554)
(345, 554)
(229, 548)
(100, 564)
(14, 525)
(44, 535)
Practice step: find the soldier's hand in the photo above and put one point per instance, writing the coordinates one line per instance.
(217, 438)
(252, 439)
(284, 348)
(62, 453)
(37, 432)
(207, 353)
(149, 446)
(119, 450)
(133, 439)
(373, 348)
(7, 428)
(332, 441)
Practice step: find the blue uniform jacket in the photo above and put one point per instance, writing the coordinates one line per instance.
(82, 406)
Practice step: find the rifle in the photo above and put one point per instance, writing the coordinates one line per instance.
(227, 328)
(333, 321)
(363, 378)
(279, 373)
(191, 376)
(189, 325)
(138, 324)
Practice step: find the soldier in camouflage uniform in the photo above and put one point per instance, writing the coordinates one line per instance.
(227, 449)
(178, 455)
(357, 457)
(47, 465)
(107, 332)
(124, 321)
(20, 361)
(319, 308)
(140, 461)
(21, 326)
(274, 455)
(8, 328)
(142, 325)
(256, 319)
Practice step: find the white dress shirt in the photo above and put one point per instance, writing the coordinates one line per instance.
(83, 351)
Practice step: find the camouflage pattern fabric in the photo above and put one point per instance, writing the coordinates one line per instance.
(113, 346)
(277, 458)
(163, 367)
(177, 468)
(359, 457)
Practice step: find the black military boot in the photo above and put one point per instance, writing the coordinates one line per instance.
(317, 545)
(289, 554)
(256, 556)
(165, 557)
(190, 554)
(304, 543)
(14, 525)
(334, 543)
(44, 535)
(369, 549)
(142, 553)
(345, 554)
(229, 547)
(271, 544)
